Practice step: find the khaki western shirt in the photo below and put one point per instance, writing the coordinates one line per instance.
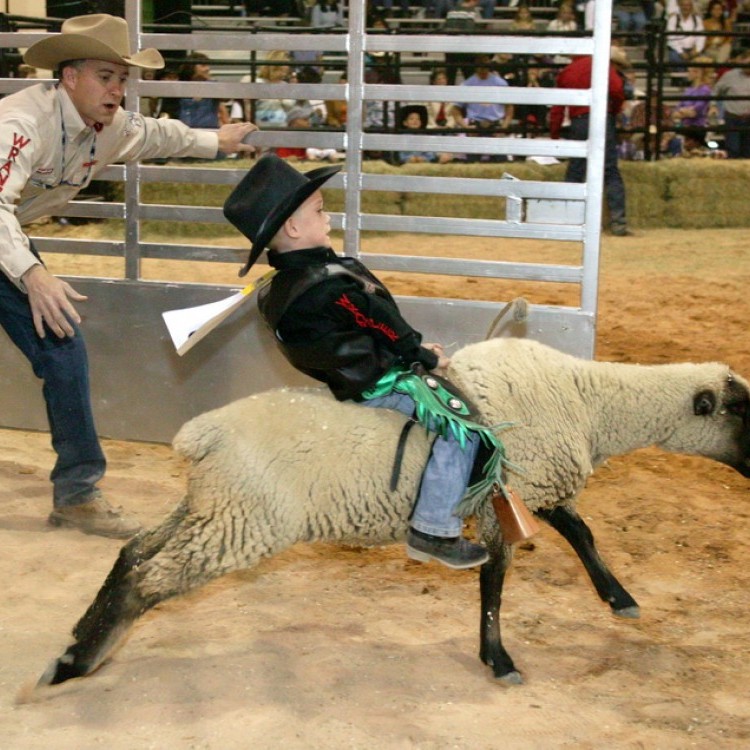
(48, 154)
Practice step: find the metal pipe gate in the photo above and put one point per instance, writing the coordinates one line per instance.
(142, 390)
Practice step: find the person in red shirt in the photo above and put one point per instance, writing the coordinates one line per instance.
(577, 75)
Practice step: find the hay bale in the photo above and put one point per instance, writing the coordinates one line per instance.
(668, 193)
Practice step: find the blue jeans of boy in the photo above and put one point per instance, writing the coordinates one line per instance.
(62, 365)
(445, 477)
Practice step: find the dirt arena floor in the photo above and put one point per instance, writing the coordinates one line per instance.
(330, 648)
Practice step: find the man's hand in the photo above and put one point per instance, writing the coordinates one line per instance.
(231, 135)
(49, 298)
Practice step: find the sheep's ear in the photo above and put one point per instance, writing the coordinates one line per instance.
(704, 403)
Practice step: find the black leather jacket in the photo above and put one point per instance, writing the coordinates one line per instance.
(336, 322)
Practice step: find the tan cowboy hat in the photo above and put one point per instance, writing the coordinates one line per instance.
(619, 57)
(95, 37)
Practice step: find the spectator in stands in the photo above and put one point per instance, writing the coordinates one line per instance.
(659, 138)
(631, 17)
(298, 118)
(683, 47)
(197, 112)
(695, 145)
(532, 118)
(565, 19)
(148, 104)
(438, 8)
(577, 75)
(271, 113)
(309, 74)
(736, 82)
(523, 20)
(327, 14)
(414, 117)
(378, 114)
(691, 111)
(463, 18)
(439, 114)
(717, 19)
(486, 118)
(271, 7)
(167, 106)
(386, 7)
(336, 109)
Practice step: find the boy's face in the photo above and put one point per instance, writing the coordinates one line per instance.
(311, 222)
(413, 120)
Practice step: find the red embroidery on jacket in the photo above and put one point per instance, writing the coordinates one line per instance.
(363, 321)
(19, 143)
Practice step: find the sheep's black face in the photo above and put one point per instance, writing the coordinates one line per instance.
(729, 410)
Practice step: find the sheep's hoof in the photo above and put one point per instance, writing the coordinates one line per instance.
(60, 670)
(510, 678)
(630, 613)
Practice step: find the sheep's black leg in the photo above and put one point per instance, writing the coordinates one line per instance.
(111, 614)
(117, 605)
(574, 530)
(491, 650)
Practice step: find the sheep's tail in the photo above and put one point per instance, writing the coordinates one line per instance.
(198, 437)
(519, 309)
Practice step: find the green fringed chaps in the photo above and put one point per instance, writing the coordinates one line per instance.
(441, 411)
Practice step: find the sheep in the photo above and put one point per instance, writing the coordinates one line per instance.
(294, 465)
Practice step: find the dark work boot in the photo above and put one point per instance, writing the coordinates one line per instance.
(621, 230)
(455, 552)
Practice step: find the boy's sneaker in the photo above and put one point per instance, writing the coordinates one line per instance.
(96, 516)
(455, 552)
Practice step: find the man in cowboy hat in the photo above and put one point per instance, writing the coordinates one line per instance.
(54, 139)
(577, 75)
(337, 323)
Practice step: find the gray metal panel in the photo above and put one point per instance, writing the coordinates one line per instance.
(142, 390)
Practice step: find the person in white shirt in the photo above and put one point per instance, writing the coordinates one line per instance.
(54, 139)
(683, 47)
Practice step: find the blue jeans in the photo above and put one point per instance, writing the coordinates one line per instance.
(445, 477)
(737, 143)
(614, 187)
(62, 365)
(631, 20)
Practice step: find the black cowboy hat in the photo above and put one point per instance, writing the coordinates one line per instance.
(696, 134)
(406, 110)
(267, 196)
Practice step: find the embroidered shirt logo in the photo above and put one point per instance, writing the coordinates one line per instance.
(363, 321)
(19, 143)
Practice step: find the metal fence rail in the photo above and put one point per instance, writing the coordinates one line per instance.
(226, 365)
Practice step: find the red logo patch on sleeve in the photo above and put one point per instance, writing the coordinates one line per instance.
(363, 321)
(19, 143)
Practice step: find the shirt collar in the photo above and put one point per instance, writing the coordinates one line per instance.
(71, 119)
(301, 258)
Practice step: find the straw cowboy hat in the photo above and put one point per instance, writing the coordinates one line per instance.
(267, 196)
(95, 37)
(619, 57)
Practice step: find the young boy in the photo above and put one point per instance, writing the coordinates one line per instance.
(336, 322)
